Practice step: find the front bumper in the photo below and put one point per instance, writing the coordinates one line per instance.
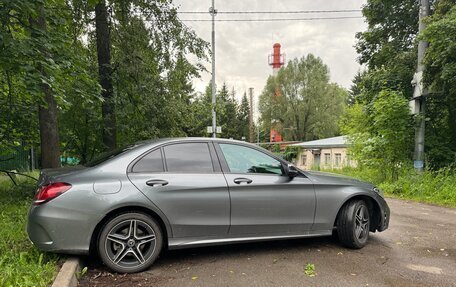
(384, 218)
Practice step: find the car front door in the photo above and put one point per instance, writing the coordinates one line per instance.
(184, 180)
(263, 199)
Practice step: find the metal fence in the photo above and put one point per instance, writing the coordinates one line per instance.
(21, 159)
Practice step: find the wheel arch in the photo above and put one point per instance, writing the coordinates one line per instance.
(131, 208)
(373, 207)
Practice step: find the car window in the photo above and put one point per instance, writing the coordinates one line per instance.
(188, 157)
(152, 162)
(241, 159)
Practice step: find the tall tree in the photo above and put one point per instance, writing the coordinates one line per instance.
(388, 48)
(243, 117)
(440, 77)
(303, 100)
(47, 111)
(105, 75)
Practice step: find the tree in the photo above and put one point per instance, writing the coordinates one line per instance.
(380, 134)
(34, 59)
(243, 117)
(148, 69)
(105, 75)
(47, 111)
(302, 100)
(440, 77)
(388, 48)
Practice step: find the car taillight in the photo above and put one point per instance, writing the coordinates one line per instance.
(51, 191)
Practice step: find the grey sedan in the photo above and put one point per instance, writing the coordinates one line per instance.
(130, 204)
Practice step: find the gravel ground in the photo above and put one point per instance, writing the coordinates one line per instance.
(419, 249)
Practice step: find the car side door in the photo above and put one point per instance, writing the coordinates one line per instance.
(263, 199)
(184, 180)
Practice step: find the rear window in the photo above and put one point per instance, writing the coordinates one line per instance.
(108, 155)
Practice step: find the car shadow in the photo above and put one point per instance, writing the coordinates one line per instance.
(228, 251)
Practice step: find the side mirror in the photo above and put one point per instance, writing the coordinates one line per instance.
(291, 171)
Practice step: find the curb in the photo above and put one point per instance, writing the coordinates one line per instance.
(67, 274)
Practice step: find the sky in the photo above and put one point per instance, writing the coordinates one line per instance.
(242, 48)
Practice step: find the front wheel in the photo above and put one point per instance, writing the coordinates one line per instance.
(130, 242)
(353, 224)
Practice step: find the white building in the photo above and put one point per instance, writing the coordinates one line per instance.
(326, 153)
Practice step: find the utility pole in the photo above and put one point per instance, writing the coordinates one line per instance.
(418, 102)
(251, 127)
(213, 12)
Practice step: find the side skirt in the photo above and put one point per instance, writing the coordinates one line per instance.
(180, 243)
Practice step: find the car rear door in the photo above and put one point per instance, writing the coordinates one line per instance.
(263, 199)
(184, 180)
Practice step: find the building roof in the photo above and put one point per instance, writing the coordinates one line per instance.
(340, 141)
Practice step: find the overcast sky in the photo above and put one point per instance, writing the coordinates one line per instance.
(242, 48)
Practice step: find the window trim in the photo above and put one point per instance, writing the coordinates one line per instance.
(226, 168)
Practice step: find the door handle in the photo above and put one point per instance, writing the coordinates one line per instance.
(240, 180)
(156, 182)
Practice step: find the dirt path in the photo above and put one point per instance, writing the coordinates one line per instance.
(419, 249)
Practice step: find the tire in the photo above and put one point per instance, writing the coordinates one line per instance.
(130, 242)
(353, 224)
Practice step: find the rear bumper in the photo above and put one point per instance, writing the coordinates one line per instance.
(52, 229)
(383, 222)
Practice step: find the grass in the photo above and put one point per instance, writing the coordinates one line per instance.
(21, 264)
(435, 187)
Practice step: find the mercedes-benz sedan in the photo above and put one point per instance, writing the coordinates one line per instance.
(176, 193)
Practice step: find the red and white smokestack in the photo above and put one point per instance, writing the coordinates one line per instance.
(276, 60)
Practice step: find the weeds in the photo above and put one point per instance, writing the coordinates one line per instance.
(436, 187)
(21, 264)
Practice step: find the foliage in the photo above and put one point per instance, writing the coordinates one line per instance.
(150, 70)
(436, 187)
(29, 59)
(440, 77)
(291, 153)
(232, 116)
(389, 48)
(392, 29)
(21, 264)
(302, 100)
(380, 134)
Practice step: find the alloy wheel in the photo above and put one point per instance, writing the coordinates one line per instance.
(362, 222)
(130, 243)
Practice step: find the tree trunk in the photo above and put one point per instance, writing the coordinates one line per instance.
(105, 75)
(47, 114)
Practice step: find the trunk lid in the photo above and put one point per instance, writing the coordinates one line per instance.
(49, 175)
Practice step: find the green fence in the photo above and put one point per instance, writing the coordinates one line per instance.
(21, 159)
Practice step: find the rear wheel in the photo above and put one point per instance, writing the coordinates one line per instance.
(353, 224)
(130, 242)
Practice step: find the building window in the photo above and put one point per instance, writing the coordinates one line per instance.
(327, 159)
(338, 159)
(303, 159)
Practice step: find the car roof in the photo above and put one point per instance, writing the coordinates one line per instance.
(177, 139)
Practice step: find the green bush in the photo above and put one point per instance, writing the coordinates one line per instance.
(437, 187)
(21, 264)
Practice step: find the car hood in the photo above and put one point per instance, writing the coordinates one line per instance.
(332, 178)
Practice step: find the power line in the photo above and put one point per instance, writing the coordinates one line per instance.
(274, 12)
(274, 19)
